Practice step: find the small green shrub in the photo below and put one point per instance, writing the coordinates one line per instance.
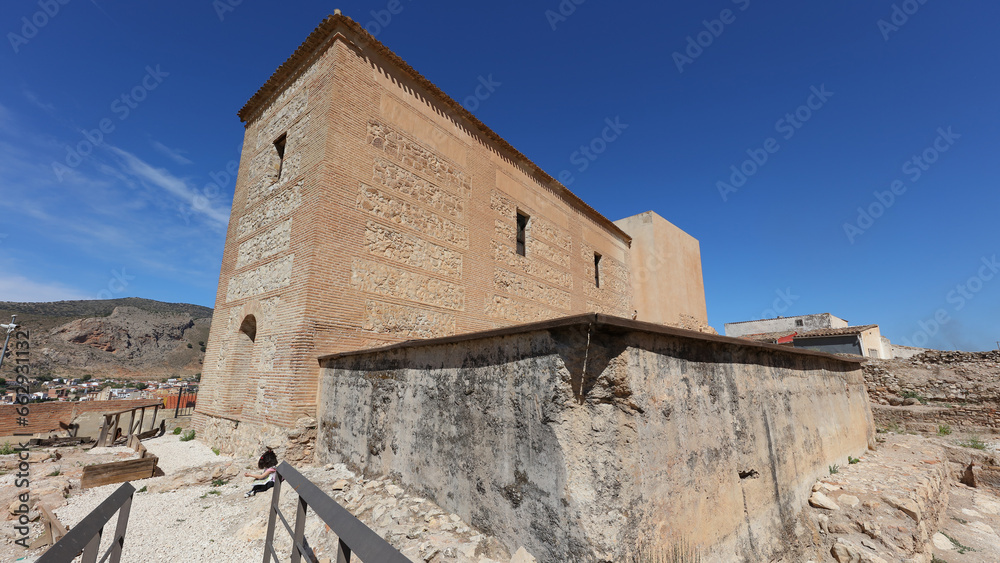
(944, 429)
(216, 451)
(974, 442)
(913, 395)
(893, 427)
(6, 449)
(961, 549)
(178, 430)
(188, 436)
(853, 460)
(143, 489)
(834, 469)
(55, 473)
(219, 482)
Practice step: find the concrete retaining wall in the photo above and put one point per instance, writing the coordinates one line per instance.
(576, 437)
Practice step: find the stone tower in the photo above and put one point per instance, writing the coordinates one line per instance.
(371, 208)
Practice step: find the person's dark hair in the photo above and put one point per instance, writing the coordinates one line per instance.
(267, 460)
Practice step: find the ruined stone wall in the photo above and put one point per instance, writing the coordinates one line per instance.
(577, 450)
(937, 387)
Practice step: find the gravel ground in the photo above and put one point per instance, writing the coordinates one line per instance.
(216, 523)
(123, 452)
(185, 525)
(176, 456)
(190, 524)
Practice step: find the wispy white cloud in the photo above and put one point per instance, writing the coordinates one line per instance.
(98, 6)
(37, 102)
(21, 289)
(172, 154)
(163, 179)
(6, 119)
(114, 210)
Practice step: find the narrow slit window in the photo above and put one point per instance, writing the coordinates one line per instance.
(597, 270)
(522, 231)
(279, 148)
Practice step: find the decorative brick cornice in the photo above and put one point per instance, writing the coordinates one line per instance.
(340, 27)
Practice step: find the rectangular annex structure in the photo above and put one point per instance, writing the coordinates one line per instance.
(581, 437)
(371, 208)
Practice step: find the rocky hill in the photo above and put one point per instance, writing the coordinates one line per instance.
(131, 338)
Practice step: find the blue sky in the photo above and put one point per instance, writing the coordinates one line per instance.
(823, 106)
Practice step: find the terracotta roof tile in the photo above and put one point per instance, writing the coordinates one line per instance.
(836, 331)
(768, 336)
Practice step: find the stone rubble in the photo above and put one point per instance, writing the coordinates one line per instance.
(198, 509)
(884, 508)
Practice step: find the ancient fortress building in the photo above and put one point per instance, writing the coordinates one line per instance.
(401, 281)
(371, 208)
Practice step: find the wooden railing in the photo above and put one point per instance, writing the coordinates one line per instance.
(86, 536)
(353, 535)
(112, 423)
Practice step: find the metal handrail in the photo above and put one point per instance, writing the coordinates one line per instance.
(86, 536)
(353, 535)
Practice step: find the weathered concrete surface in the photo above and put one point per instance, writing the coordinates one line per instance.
(575, 438)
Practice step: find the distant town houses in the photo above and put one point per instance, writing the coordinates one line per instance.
(821, 332)
(89, 389)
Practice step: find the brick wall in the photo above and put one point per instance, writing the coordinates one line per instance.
(394, 217)
(187, 401)
(45, 417)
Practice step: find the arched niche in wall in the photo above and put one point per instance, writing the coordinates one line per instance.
(249, 327)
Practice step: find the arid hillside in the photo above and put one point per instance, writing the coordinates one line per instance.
(132, 337)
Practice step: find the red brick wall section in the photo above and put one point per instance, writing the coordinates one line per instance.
(170, 401)
(45, 417)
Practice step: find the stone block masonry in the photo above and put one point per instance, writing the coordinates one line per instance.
(578, 437)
